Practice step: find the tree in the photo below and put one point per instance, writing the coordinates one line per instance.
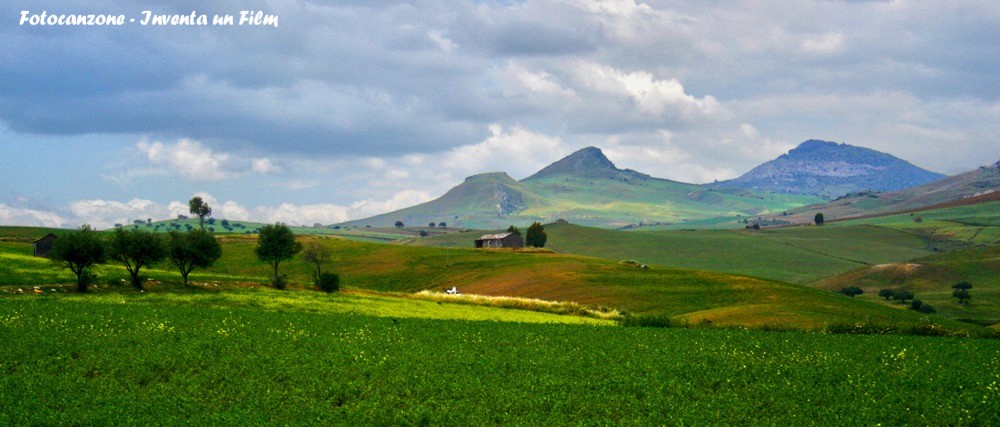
(316, 254)
(192, 250)
(431, 225)
(886, 293)
(136, 249)
(851, 291)
(962, 285)
(442, 224)
(78, 251)
(962, 295)
(276, 243)
(818, 219)
(200, 209)
(513, 229)
(902, 295)
(399, 224)
(536, 235)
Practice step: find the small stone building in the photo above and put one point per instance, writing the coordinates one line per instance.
(42, 247)
(502, 240)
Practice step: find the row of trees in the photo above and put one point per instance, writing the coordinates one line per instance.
(135, 249)
(80, 250)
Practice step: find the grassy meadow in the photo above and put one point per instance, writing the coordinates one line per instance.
(682, 295)
(261, 356)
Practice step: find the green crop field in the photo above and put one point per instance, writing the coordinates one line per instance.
(267, 357)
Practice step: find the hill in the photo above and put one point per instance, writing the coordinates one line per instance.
(931, 279)
(684, 296)
(586, 188)
(827, 169)
(977, 186)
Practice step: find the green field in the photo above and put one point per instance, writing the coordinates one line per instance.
(267, 357)
(685, 296)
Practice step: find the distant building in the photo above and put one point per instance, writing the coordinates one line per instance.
(502, 240)
(42, 247)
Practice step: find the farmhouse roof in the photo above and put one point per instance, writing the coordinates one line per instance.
(45, 237)
(494, 236)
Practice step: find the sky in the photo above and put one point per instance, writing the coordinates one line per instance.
(347, 109)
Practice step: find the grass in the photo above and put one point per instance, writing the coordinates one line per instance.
(124, 358)
(686, 296)
(931, 278)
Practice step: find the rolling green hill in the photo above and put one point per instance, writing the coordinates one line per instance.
(584, 188)
(685, 296)
(978, 186)
(931, 278)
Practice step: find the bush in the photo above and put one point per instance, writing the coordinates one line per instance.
(926, 309)
(328, 282)
(280, 282)
(423, 233)
(851, 291)
(646, 320)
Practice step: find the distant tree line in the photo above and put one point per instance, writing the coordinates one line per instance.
(82, 249)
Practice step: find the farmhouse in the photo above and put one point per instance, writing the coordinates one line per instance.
(42, 247)
(502, 240)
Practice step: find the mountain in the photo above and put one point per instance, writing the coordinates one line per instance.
(587, 162)
(830, 170)
(975, 186)
(584, 188)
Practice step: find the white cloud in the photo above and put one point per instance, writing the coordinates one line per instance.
(403, 199)
(264, 166)
(825, 44)
(10, 215)
(188, 158)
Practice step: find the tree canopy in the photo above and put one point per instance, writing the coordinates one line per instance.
(536, 235)
(136, 249)
(78, 251)
(276, 243)
(191, 250)
(199, 208)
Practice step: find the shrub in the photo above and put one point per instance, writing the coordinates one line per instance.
(328, 282)
(851, 291)
(926, 309)
(646, 320)
(280, 282)
(423, 233)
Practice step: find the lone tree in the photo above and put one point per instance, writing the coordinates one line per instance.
(513, 229)
(316, 254)
(818, 219)
(276, 243)
(136, 249)
(962, 295)
(886, 293)
(399, 224)
(200, 209)
(536, 235)
(902, 295)
(851, 291)
(962, 285)
(188, 251)
(78, 251)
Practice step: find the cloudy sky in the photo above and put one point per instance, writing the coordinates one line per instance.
(352, 108)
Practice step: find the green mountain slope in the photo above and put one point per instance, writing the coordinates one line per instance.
(976, 186)
(584, 188)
